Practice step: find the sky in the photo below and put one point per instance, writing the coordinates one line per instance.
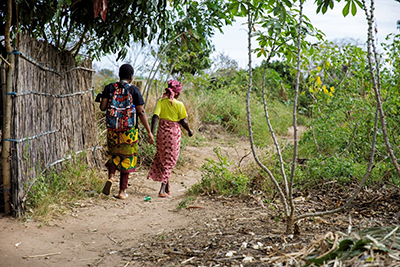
(233, 41)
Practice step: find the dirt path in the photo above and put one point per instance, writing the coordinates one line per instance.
(95, 230)
(104, 231)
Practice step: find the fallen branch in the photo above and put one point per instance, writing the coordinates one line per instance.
(112, 239)
(185, 261)
(44, 255)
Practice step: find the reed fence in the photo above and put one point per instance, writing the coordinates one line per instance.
(53, 115)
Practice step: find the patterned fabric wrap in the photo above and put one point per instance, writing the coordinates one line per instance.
(168, 145)
(121, 112)
(122, 150)
(174, 87)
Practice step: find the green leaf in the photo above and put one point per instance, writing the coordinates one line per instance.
(243, 10)
(353, 8)
(324, 9)
(346, 9)
(234, 7)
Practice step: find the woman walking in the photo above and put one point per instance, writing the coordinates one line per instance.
(169, 114)
(123, 102)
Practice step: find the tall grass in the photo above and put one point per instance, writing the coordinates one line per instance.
(53, 193)
(229, 109)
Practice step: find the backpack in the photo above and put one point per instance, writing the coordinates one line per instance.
(121, 112)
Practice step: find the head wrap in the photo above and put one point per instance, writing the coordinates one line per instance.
(174, 87)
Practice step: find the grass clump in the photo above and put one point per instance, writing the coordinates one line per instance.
(216, 178)
(52, 194)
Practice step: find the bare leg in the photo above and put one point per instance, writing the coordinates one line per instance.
(123, 184)
(107, 187)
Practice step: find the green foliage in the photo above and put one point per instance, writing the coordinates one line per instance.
(341, 105)
(338, 168)
(103, 77)
(51, 194)
(183, 204)
(216, 178)
(72, 25)
(194, 23)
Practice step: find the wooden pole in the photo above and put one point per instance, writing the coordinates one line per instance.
(6, 156)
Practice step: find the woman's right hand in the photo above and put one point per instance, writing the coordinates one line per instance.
(151, 138)
(190, 132)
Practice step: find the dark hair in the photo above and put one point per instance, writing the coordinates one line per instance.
(125, 71)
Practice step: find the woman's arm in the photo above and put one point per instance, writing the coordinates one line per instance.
(185, 125)
(154, 121)
(143, 118)
(103, 104)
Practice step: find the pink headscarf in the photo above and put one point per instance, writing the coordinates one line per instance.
(174, 87)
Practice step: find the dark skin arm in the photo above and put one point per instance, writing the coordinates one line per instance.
(154, 121)
(185, 126)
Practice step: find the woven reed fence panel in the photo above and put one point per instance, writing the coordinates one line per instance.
(53, 114)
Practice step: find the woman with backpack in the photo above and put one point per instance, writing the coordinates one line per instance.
(170, 113)
(124, 103)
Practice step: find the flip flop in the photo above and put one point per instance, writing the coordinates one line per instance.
(107, 187)
(163, 195)
(122, 198)
(168, 189)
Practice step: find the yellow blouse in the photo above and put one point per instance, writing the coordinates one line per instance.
(175, 112)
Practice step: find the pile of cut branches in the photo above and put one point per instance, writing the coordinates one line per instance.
(373, 246)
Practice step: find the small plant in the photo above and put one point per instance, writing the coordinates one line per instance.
(218, 179)
(51, 194)
(183, 204)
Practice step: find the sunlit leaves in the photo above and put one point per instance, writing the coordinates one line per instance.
(350, 6)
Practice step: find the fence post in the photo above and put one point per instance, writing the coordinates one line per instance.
(6, 155)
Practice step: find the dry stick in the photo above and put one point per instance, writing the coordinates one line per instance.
(44, 255)
(332, 248)
(377, 83)
(5, 61)
(315, 140)
(249, 18)
(289, 225)
(185, 261)
(274, 137)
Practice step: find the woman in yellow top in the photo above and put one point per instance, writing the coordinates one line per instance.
(169, 114)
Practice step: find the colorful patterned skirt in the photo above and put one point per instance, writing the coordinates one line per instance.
(122, 150)
(168, 144)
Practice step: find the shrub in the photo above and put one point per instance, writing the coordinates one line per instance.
(216, 178)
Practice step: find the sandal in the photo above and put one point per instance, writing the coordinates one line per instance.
(163, 195)
(107, 187)
(122, 198)
(168, 189)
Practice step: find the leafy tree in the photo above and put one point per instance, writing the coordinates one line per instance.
(72, 25)
(253, 11)
(75, 25)
(194, 25)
